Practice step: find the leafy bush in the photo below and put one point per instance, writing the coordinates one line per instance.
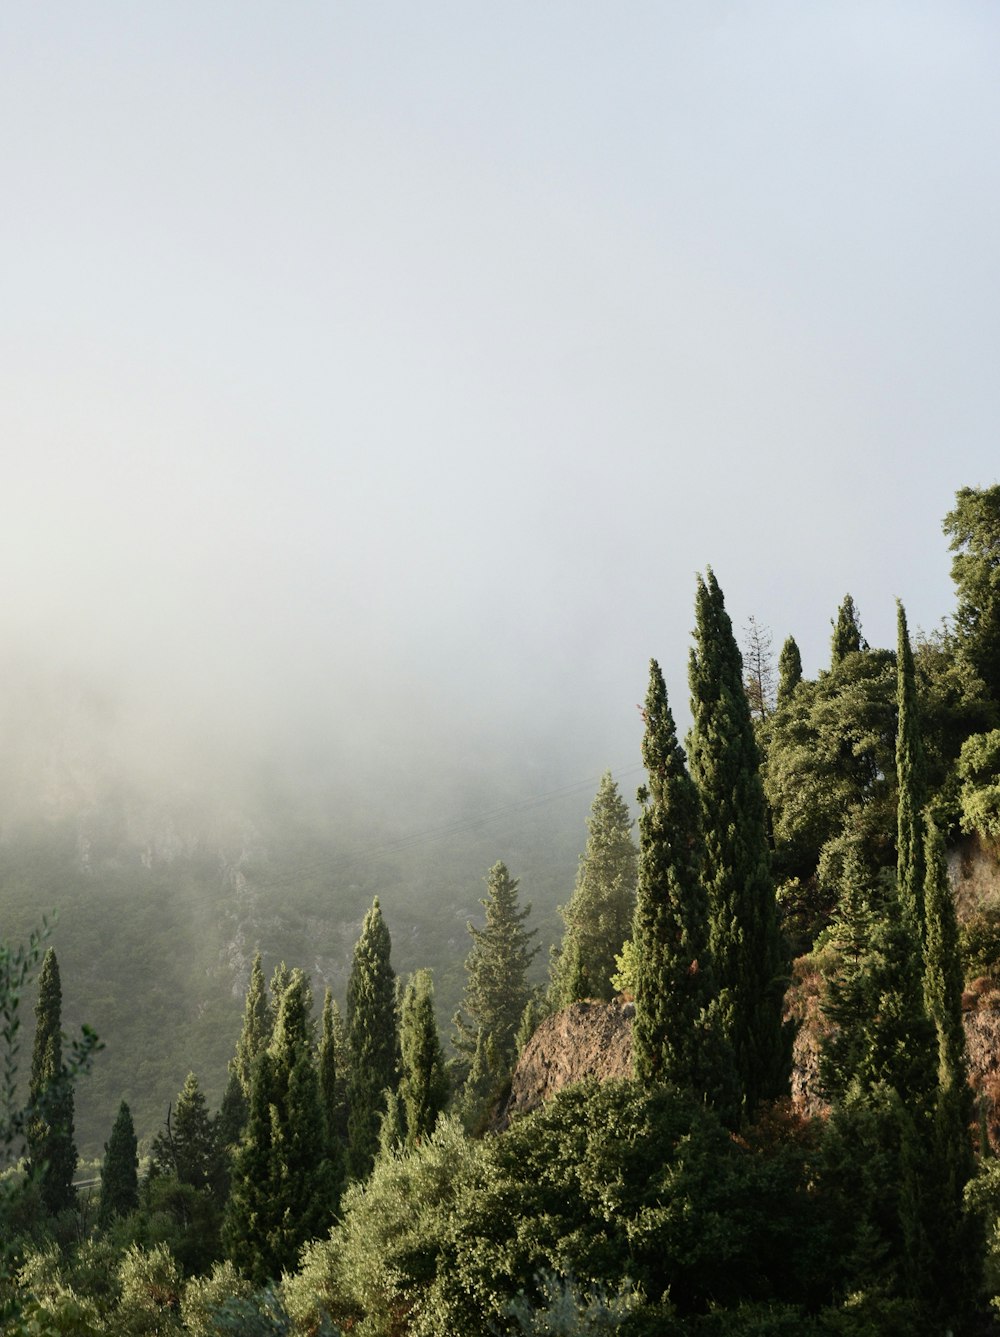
(979, 770)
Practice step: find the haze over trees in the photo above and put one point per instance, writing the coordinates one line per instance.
(352, 1178)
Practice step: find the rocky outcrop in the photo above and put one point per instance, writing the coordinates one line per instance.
(587, 1039)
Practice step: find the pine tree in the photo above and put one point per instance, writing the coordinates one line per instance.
(496, 987)
(120, 1171)
(670, 932)
(910, 781)
(847, 638)
(744, 938)
(372, 1040)
(188, 1145)
(423, 1087)
(789, 670)
(257, 1026)
(51, 1150)
(599, 914)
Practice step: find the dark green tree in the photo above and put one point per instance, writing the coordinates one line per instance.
(598, 917)
(257, 1026)
(282, 1183)
(188, 1147)
(789, 670)
(744, 939)
(911, 793)
(496, 986)
(943, 981)
(974, 529)
(423, 1087)
(120, 1171)
(847, 638)
(331, 1080)
(51, 1149)
(372, 1041)
(673, 974)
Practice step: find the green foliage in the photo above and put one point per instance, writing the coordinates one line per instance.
(911, 791)
(974, 528)
(744, 940)
(372, 1041)
(847, 638)
(120, 1171)
(979, 771)
(567, 1309)
(789, 670)
(51, 1149)
(204, 1296)
(423, 1086)
(496, 986)
(188, 1145)
(257, 1025)
(599, 914)
(673, 979)
(151, 1288)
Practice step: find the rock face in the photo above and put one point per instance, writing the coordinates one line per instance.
(588, 1039)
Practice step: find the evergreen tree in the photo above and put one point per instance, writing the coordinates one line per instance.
(744, 939)
(789, 670)
(599, 914)
(331, 1090)
(188, 1145)
(282, 1185)
(911, 795)
(481, 1085)
(51, 1150)
(670, 932)
(943, 970)
(847, 638)
(496, 986)
(531, 1019)
(371, 1040)
(120, 1171)
(257, 1026)
(423, 1087)
(759, 671)
(974, 528)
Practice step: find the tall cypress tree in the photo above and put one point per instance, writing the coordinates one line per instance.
(911, 782)
(670, 930)
(257, 1025)
(789, 670)
(847, 638)
(423, 1087)
(943, 967)
(51, 1150)
(744, 937)
(372, 1041)
(598, 917)
(282, 1184)
(120, 1171)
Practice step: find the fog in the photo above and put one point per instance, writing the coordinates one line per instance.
(374, 379)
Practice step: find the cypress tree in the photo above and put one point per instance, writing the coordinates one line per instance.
(847, 638)
(599, 914)
(910, 781)
(670, 931)
(372, 1041)
(257, 1026)
(789, 670)
(51, 1150)
(423, 1087)
(943, 969)
(282, 1191)
(744, 938)
(496, 987)
(188, 1148)
(120, 1171)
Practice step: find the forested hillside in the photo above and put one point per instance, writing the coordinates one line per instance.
(332, 1165)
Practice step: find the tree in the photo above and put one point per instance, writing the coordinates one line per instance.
(120, 1171)
(51, 1149)
(496, 986)
(282, 1185)
(789, 670)
(911, 788)
(744, 938)
(257, 1026)
(188, 1146)
(974, 528)
(670, 933)
(759, 667)
(372, 1041)
(599, 914)
(423, 1087)
(847, 638)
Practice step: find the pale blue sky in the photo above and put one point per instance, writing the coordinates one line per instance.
(396, 366)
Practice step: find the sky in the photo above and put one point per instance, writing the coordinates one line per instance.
(380, 375)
